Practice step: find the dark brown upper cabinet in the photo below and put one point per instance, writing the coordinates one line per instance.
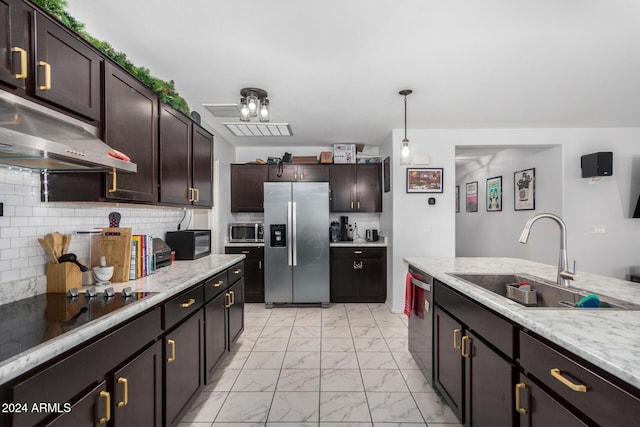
(355, 188)
(247, 187)
(186, 161)
(66, 69)
(299, 173)
(14, 46)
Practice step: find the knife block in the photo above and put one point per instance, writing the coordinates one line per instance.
(62, 277)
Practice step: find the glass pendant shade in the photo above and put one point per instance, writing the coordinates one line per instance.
(405, 153)
(252, 103)
(245, 115)
(265, 114)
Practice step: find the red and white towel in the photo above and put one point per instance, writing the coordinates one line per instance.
(409, 294)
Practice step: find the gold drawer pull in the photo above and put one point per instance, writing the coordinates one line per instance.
(23, 63)
(172, 358)
(357, 252)
(47, 76)
(227, 298)
(246, 252)
(197, 199)
(238, 271)
(189, 303)
(519, 388)
(233, 297)
(191, 194)
(125, 389)
(463, 350)
(218, 283)
(555, 373)
(107, 412)
(455, 339)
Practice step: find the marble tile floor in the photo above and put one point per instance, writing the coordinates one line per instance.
(347, 365)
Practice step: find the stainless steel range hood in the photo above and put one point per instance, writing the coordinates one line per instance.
(35, 137)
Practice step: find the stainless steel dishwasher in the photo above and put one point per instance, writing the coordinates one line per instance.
(421, 323)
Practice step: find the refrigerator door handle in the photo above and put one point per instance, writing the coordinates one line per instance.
(289, 222)
(294, 233)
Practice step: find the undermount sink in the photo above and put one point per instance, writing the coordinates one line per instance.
(547, 294)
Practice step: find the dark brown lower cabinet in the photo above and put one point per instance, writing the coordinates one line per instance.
(235, 316)
(448, 364)
(137, 390)
(253, 271)
(358, 274)
(215, 316)
(91, 410)
(183, 365)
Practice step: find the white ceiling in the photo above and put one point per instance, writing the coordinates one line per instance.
(333, 68)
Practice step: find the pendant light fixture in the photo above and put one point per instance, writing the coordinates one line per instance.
(254, 103)
(405, 152)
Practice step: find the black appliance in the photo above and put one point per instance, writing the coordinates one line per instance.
(161, 253)
(597, 164)
(189, 244)
(334, 231)
(420, 338)
(344, 229)
(29, 322)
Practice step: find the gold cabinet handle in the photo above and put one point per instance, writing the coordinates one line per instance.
(107, 412)
(114, 186)
(188, 303)
(455, 339)
(555, 373)
(233, 297)
(238, 271)
(519, 388)
(23, 63)
(47, 76)
(197, 191)
(191, 194)
(218, 284)
(227, 298)
(358, 205)
(125, 392)
(259, 264)
(463, 350)
(301, 176)
(172, 358)
(351, 205)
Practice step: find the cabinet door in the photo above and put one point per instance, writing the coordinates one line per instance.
(175, 157)
(202, 163)
(253, 271)
(12, 39)
(183, 366)
(215, 327)
(448, 367)
(287, 173)
(137, 390)
(343, 285)
(93, 409)
(313, 173)
(538, 409)
(247, 187)
(67, 69)
(488, 388)
(130, 126)
(369, 189)
(371, 279)
(236, 311)
(342, 186)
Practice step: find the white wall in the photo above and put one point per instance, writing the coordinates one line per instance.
(608, 202)
(496, 233)
(224, 154)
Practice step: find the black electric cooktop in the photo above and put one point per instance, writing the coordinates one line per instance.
(32, 321)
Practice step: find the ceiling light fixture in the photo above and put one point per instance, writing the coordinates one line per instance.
(254, 103)
(405, 153)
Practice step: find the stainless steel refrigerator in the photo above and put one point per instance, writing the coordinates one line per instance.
(296, 243)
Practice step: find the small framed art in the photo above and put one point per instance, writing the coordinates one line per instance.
(494, 194)
(472, 196)
(457, 198)
(424, 180)
(524, 187)
(386, 172)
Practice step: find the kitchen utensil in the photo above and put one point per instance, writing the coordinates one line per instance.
(66, 242)
(114, 219)
(52, 244)
(49, 250)
(72, 258)
(103, 273)
(115, 245)
(58, 243)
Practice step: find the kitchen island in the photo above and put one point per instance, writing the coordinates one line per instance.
(562, 353)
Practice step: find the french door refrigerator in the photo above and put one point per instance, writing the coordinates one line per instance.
(296, 243)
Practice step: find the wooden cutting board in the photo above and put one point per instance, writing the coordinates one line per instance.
(115, 246)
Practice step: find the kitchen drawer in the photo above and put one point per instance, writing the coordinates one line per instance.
(603, 402)
(213, 286)
(248, 251)
(181, 306)
(499, 332)
(359, 252)
(236, 272)
(66, 379)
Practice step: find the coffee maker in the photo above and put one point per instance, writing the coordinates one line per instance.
(344, 229)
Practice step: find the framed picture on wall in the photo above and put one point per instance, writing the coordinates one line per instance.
(457, 198)
(524, 187)
(472, 196)
(494, 194)
(424, 180)
(386, 172)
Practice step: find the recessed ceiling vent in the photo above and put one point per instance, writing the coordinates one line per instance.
(223, 110)
(259, 129)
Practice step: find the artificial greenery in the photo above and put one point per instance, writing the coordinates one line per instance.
(166, 90)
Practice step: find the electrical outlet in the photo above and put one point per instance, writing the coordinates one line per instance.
(597, 229)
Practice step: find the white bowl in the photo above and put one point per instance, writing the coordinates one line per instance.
(103, 274)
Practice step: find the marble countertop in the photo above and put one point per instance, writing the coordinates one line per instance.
(607, 338)
(167, 281)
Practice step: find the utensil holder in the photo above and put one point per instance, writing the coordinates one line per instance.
(524, 297)
(62, 277)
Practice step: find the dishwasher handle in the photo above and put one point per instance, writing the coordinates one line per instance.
(421, 284)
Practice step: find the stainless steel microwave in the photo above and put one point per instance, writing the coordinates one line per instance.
(245, 232)
(189, 244)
